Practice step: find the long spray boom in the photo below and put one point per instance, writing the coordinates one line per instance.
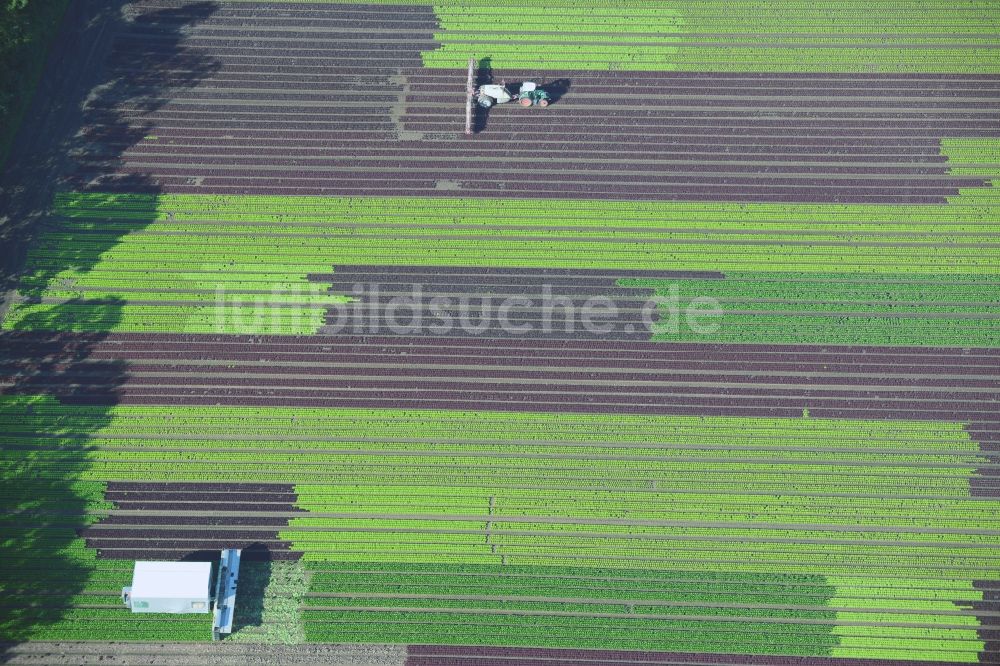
(470, 91)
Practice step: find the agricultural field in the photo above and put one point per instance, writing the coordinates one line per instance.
(698, 365)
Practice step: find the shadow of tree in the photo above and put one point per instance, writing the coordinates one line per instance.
(54, 393)
(36, 510)
(46, 446)
(85, 147)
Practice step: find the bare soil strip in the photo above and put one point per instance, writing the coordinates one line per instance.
(223, 653)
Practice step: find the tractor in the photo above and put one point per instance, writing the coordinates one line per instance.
(490, 94)
(529, 94)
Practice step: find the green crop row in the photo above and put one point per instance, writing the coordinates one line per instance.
(849, 585)
(43, 414)
(99, 279)
(851, 623)
(629, 633)
(830, 309)
(847, 329)
(571, 444)
(976, 157)
(729, 37)
(150, 269)
(920, 556)
(137, 210)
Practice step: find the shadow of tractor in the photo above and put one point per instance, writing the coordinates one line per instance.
(484, 76)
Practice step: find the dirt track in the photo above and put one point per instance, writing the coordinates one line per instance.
(218, 654)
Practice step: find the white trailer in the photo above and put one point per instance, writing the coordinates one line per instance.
(186, 587)
(170, 587)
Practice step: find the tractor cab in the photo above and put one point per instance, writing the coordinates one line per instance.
(531, 95)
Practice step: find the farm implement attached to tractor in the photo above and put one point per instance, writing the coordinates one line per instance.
(488, 95)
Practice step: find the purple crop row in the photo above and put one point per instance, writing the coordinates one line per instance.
(754, 182)
(365, 377)
(874, 376)
(719, 401)
(500, 360)
(152, 157)
(123, 183)
(137, 48)
(15, 342)
(177, 144)
(224, 523)
(278, 152)
(279, 78)
(271, 131)
(249, 553)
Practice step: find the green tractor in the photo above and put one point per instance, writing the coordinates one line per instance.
(488, 95)
(528, 95)
(531, 95)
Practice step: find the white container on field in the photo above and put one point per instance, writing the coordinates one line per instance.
(170, 587)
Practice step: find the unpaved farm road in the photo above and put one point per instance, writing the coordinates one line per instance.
(217, 654)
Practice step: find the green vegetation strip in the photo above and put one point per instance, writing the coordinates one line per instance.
(979, 157)
(853, 538)
(833, 308)
(853, 36)
(722, 36)
(104, 274)
(240, 264)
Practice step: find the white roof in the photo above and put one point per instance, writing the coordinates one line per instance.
(171, 580)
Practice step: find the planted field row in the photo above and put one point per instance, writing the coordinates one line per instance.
(246, 77)
(583, 376)
(504, 302)
(267, 184)
(718, 37)
(371, 58)
(834, 308)
(652, 33)
(469, 655)
(213, 264)
(670, 182)
(36, 345)
(684, 179)
(610, 566)
(196, 524)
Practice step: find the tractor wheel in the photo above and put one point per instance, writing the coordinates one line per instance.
(525, 101)
(543, 102)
